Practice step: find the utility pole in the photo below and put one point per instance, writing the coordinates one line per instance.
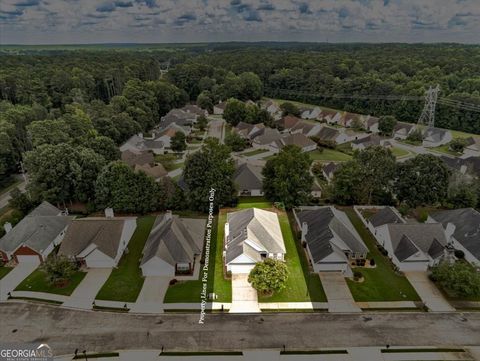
(428, 114)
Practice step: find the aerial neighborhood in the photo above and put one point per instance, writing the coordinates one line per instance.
(203, 191)
(285, 189)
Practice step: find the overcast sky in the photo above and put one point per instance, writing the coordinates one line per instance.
(92, 21)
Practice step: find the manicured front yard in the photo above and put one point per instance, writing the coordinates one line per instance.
(4, 271)
(189, 291)
(37, 282)
(380, 283)
(329, 155)
(302, 286)
(126, 281)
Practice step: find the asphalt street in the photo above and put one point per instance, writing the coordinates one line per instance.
(65, 330)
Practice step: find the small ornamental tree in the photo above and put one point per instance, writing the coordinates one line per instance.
(457, 145)
(459, 279)
(59, 270)
(269, 276)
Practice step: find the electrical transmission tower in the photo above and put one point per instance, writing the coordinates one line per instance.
(428, 114)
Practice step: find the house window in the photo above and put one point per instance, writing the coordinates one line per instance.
(183, 267)
(263, 255)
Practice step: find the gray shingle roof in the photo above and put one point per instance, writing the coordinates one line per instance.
(257, 225)
(323, 223)
(248, 176)
(45, 209)
(467, 227)
(171, 241)
(37, 230)
(384, 216)
(422, 235)
(405, 249)
(267, 136)
(298, 139)
(327, 133)
(331, 168)
(105, 233)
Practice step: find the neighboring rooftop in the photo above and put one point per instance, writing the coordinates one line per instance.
(37, 230)
(326, 227)
(104, 233)
(385, 215)
(171, 241)
(467, 227)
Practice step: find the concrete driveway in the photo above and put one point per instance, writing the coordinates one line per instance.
(150, 299)
(338, 294)
(215, 129)
(244, 296)
(15, 277)
(427, 291)
(85, 293)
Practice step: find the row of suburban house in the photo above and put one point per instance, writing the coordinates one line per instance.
(432, 137)
(174, 245)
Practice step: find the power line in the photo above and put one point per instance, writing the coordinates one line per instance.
(443, 101)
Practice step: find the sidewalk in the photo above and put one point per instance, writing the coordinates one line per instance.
(40, 296)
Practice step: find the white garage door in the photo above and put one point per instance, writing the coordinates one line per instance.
(237, 268)
(28, 259)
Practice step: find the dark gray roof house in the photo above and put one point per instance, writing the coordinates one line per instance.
(328, 134)
(248, 178)
(330, 237)
(466, 231)
(39, 231)
(385, 215)
(267, 136)
(415, 245)
(330, 169)
(173, 245)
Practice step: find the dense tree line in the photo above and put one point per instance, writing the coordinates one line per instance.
(314, 73)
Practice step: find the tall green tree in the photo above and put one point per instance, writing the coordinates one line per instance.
(367, 178)
(210, 168)
(422, 180)
(286, 177)
(386, 124)
(178, 142)
(120, 188)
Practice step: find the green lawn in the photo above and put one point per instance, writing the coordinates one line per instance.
(445, 149)
(254, 152)
(37, 282)
(253, 202)
(381, 283)
(302, 286)
(126, 281)
(4, 271)
(189, 291)
(329, 155)
(399, 152)
(168, 161)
